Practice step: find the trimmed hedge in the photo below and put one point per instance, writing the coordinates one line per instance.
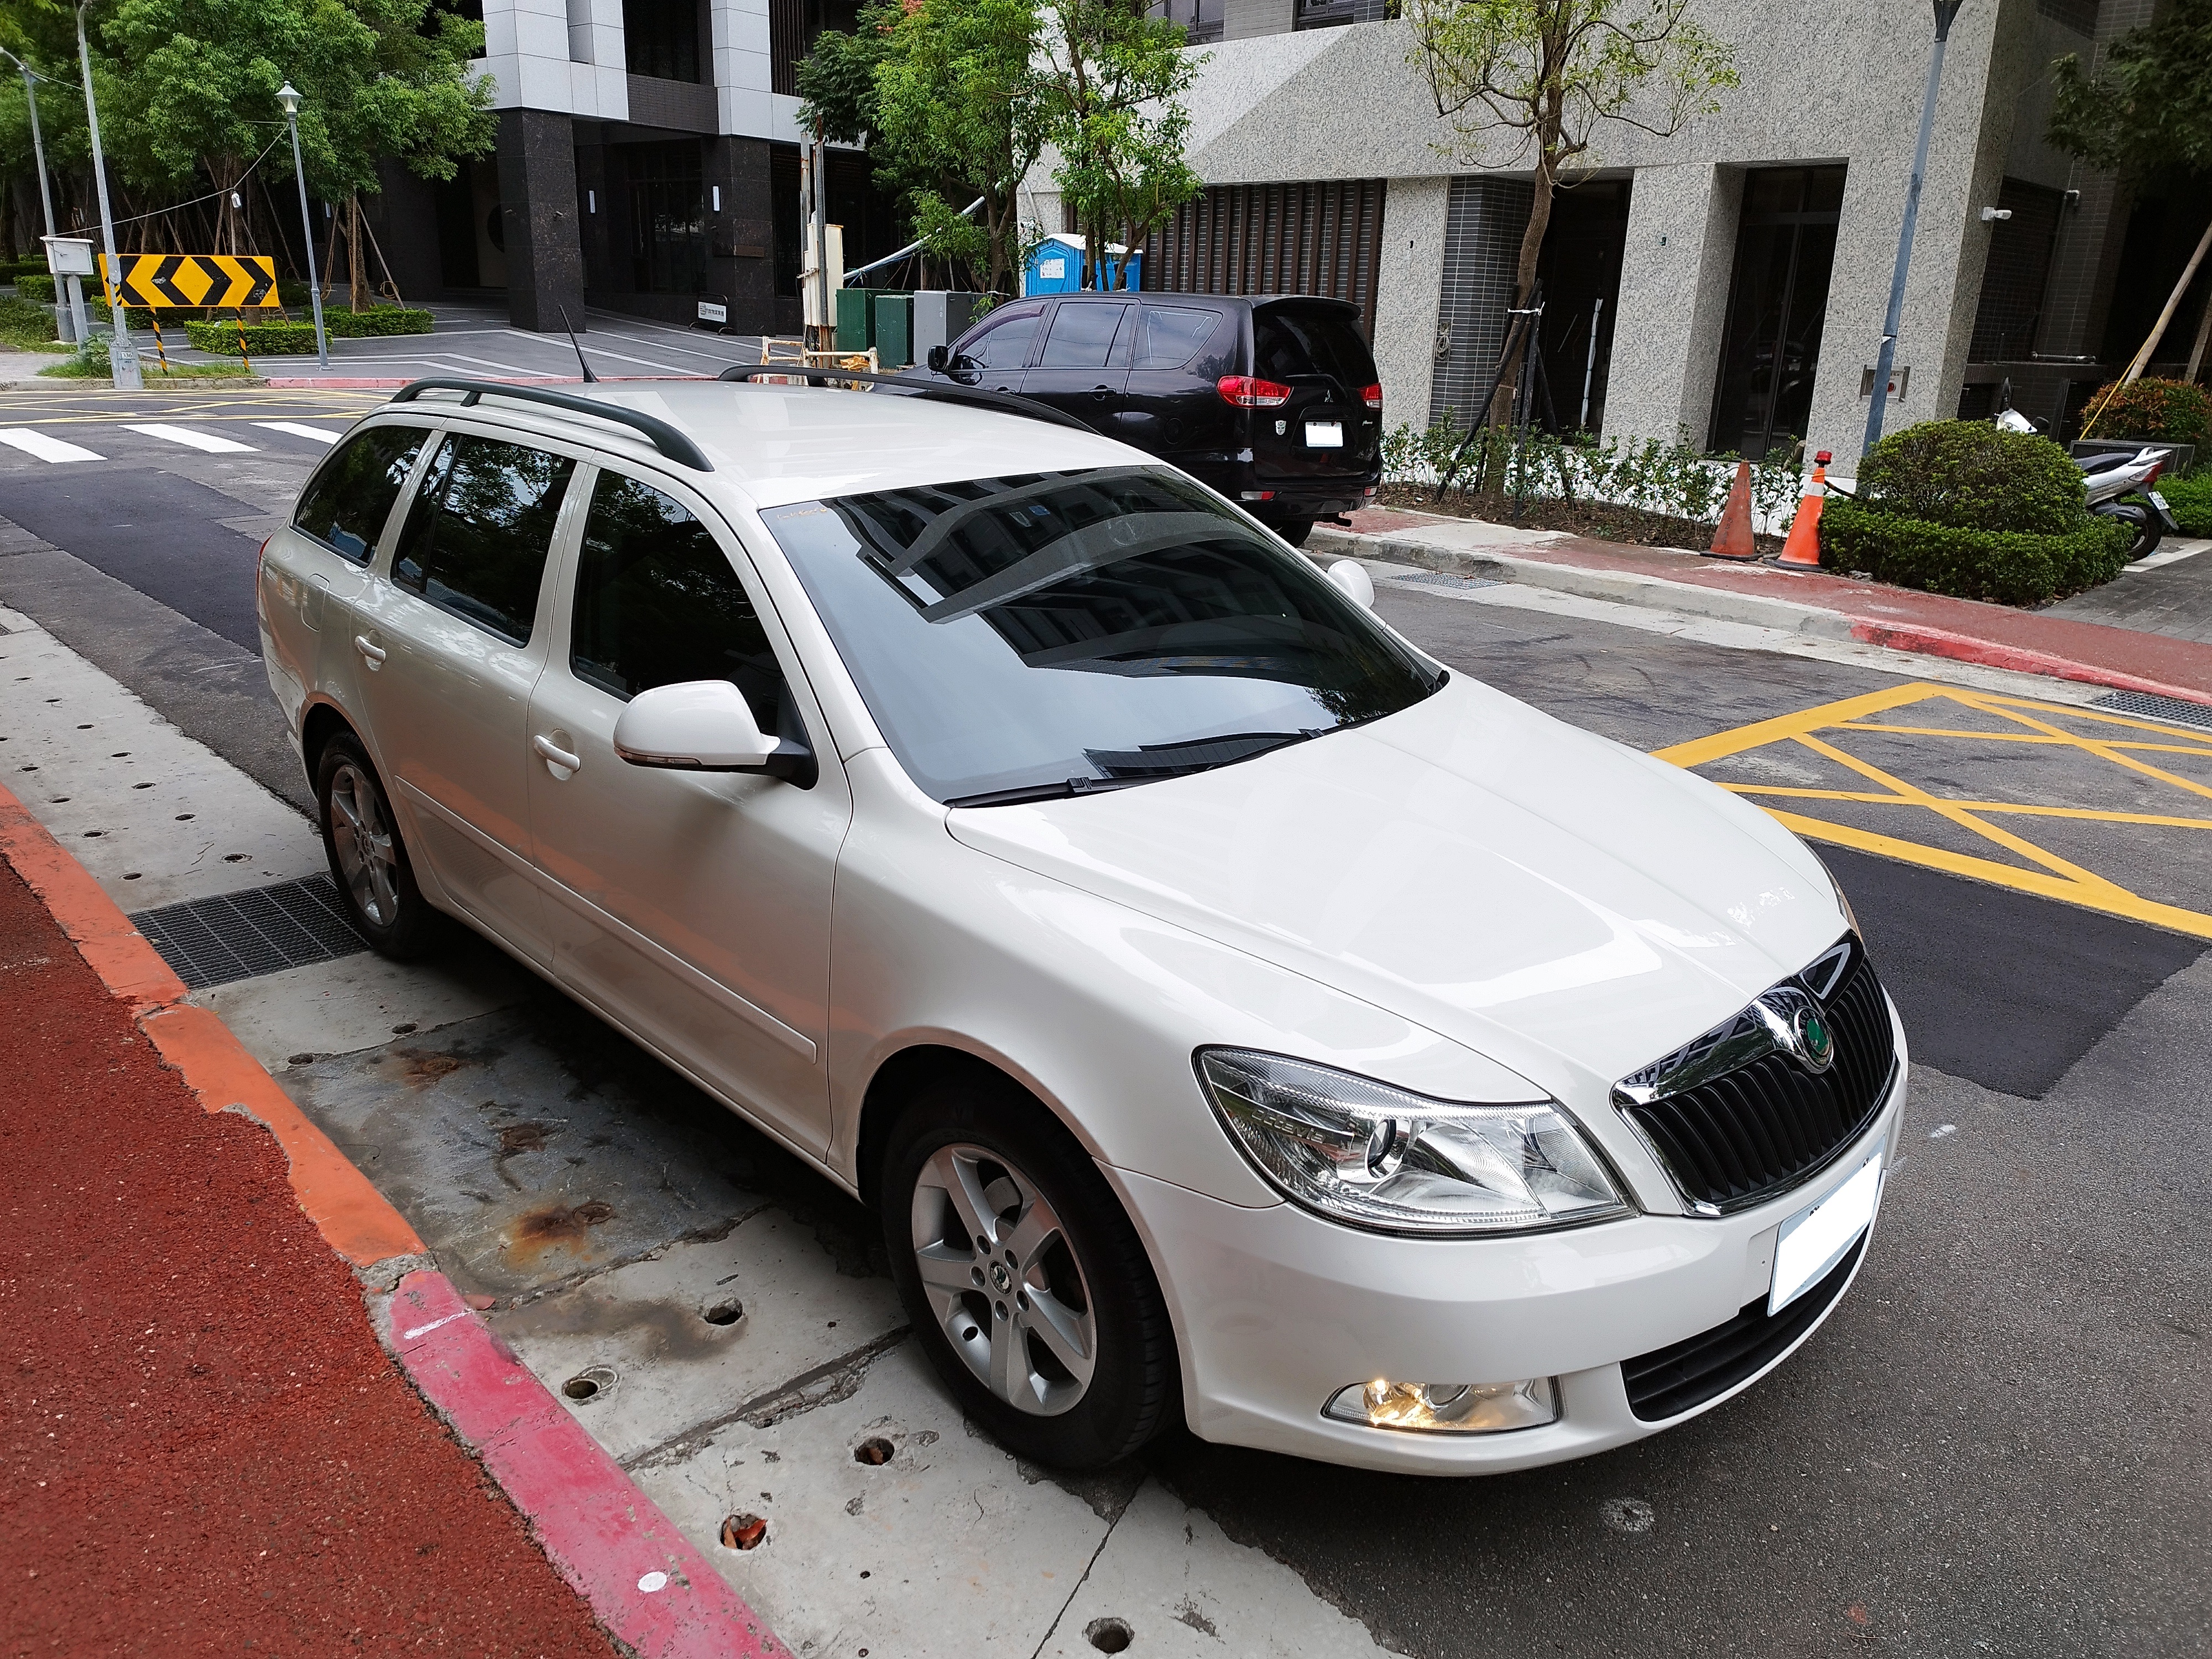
(292, 339)
(35, 286)
(2191, 500)
(2172, 411)
(1970, 475)
(2004, 565)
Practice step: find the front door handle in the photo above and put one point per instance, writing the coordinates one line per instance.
(554, 752)
(1102, 393)
(370, 649)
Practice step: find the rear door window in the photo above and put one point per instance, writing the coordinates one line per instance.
(1083, 335)
(657, 604)
(479, 532)
(346, 503)
(1288, 341)
(1171, 334)
(1006, 343)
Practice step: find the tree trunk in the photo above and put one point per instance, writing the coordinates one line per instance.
(353, 252)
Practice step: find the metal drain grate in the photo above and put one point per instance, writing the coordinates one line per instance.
(2156, 707)
(263, 930)
(1446, 579)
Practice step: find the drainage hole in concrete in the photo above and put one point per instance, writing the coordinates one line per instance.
(875, 1452)
(1108, 1635)
(184, 817)
(727, 1312)
(141, 786)
(236, 858)
(589, 1383)
(744, 1532)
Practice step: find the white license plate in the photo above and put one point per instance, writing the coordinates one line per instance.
(1324, 434)
(1814, 1240)
(2156, 499)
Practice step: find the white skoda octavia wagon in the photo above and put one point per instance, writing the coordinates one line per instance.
(1229, 1009)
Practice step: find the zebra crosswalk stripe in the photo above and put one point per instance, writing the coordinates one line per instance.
(299, 431)
(33, 442)
(204, 441)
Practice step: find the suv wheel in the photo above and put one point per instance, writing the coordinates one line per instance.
(368, 860)
(1294, 530)
(1024, 1277)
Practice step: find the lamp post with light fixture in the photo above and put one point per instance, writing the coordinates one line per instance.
(289, 96)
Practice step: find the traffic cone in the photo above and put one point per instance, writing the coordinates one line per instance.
(1733, 540)
(1802, 551)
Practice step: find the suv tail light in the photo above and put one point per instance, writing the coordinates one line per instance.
(1247, 393)
(1371, 395)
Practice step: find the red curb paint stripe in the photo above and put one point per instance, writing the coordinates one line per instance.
(1961, 647)
(601, 1533)
(608, 1539)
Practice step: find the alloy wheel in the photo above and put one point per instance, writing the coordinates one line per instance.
(1002, 1279)
(368, 855)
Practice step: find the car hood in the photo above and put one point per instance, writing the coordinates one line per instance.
(1564, 905)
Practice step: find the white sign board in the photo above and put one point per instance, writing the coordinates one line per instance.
(711, 312)
(69, 256)
(1053, 269)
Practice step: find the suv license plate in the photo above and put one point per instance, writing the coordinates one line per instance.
(1814, 1239)
(1324, 434)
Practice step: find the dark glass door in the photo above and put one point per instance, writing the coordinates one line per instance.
(668, 217)
(1778, 301)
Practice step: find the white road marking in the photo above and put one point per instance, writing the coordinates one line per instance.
(425, 1330)
(45, 448)
(2170, 554)
(204, 441)
(299, 431)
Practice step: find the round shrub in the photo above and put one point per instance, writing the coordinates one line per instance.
(1970, 475)
(2006, 566)
(2171, 411)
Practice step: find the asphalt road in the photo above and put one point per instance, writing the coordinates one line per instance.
(1998, 1443)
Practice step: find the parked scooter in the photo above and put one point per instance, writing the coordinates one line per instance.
(2120, 487)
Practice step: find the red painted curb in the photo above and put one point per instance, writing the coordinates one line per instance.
(642, 1578)
(1962, 647)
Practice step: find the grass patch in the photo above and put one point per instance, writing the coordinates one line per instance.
(80, 368)
(28, 327)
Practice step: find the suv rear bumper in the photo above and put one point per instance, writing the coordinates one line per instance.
(1238, 477)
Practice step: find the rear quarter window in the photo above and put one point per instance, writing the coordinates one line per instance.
(346, 503)
(1172, 335)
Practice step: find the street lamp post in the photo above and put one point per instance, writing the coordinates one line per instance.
(39, 155)
(122, 355)
(289, 96)
(1945, 11)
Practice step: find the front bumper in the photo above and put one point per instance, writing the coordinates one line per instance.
(1277, 1308)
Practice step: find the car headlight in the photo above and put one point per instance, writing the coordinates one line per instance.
(1363, 1153)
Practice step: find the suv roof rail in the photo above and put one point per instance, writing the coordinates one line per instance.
(666, 438)
(943, 392)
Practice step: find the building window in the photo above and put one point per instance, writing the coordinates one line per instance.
(793, 26)
(1201, 20)
(667, 218)
(1777, 304)
(2016, 273)
(661, 39)
(1335, 13)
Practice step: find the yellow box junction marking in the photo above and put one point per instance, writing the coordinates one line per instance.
(2123, 741)
(157, 281)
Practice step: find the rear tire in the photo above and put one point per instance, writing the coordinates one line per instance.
(1026, 1282)
(2141, 518)
(1294, 530)
(368, 860)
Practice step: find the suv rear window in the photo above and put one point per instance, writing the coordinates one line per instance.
(346, 502)
(1288, 341)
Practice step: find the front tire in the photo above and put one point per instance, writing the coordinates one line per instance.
(1023, 1278)
(367, 858)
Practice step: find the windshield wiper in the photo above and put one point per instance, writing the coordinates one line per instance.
(1065, 787)
(1172, 760)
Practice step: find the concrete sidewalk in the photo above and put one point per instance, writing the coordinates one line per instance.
(2065, 646)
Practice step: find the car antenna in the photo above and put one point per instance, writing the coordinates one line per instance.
(590, 378)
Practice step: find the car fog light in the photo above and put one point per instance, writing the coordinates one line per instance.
(1449, 1408)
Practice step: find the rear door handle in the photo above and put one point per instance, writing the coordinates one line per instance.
(554, 752)
(375, 653)
(1102, 393)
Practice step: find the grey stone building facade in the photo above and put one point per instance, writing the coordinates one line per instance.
(1743, 265)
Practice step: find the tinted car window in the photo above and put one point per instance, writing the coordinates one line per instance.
(1288, 341)
(657, 603)
(1006, 345)
(1082, 335)
(346, 502)
(1172, 335)
(477, 534)
(1084, 630)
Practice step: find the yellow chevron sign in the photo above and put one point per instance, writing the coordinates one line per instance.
(159, 280)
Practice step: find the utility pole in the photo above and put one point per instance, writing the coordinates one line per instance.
(122, 355)
(46, 190)
(289, 96)
(1945, 11)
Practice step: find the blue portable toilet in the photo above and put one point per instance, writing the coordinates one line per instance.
(1056, 266)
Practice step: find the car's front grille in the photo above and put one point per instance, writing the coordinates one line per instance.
(1669, 1381)
(1738, 1139)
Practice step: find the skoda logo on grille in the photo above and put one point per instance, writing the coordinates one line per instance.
(1796, 1025)
(1815, 1043)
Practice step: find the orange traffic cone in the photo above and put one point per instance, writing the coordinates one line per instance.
(1733, 540)
(1802, 551)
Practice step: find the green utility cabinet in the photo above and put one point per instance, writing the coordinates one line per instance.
(856, 319)
(894, 332)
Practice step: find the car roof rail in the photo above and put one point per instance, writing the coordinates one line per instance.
(943, 392)
(666, 438)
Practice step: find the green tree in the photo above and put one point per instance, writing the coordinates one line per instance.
(1115, 77)
(1537, 82)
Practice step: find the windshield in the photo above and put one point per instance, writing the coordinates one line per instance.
(1055, 634)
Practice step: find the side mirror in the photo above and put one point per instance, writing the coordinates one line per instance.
(1349, 574)
(939, 357)
(705, 726)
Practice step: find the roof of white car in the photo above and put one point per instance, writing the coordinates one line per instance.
(781, 444)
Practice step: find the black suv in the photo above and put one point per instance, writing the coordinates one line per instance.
(1273, 400)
